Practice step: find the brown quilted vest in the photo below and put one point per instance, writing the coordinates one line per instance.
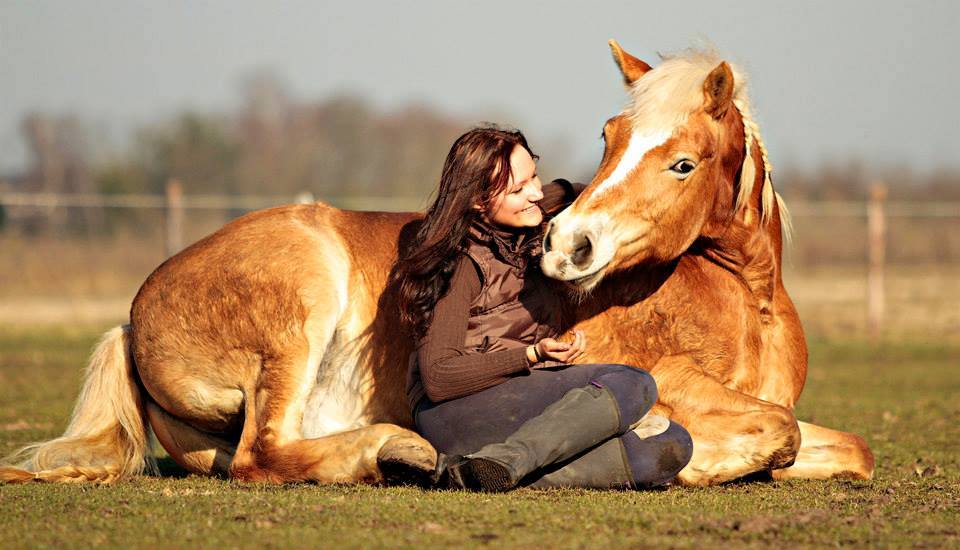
(516, 307)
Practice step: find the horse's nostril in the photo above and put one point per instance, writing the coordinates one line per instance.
(546, 238)
(583, 251)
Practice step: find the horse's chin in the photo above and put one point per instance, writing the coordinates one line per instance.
(558, 267)
(585, 284)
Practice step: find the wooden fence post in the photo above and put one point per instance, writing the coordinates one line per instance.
(174, 211)
(877, 246)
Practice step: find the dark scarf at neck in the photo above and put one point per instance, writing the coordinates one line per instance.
(515, 247)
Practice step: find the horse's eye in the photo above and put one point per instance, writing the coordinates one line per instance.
(683, 167)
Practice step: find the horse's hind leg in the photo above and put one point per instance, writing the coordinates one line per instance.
(826, 453)
(196, 451)
(272, 448)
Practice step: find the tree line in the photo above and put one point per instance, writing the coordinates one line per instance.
(274, 144)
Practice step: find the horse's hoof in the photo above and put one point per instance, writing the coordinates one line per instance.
(399, 472)
(407, 463)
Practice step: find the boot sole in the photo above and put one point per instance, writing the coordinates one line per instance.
(481, 474)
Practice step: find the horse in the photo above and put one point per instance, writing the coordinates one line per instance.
(675, 250)
(271, 350)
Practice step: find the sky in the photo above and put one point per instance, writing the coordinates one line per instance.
(831, 81)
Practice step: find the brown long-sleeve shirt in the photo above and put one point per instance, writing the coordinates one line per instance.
(447, 369)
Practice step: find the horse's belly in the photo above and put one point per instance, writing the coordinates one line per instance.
(330, 411)
(337, 400)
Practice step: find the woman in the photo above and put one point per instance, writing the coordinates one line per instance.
(491, 386)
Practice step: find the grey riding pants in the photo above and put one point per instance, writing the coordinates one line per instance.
(464, 425)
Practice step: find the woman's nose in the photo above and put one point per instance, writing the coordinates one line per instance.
(536, 195)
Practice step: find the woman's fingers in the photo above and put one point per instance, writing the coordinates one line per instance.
(554, 345)
(554, 349)
(565, 352)
(577, 345)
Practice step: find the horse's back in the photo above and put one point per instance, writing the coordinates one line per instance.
(265, 261)
(204, 321)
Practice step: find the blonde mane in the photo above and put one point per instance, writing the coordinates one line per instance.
(664, 97)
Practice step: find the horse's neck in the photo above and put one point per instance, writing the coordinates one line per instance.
(749, 247)
(753, 260)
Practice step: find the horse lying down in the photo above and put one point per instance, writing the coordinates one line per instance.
(271, 350)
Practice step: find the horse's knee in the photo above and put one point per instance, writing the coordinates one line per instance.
(634, 390)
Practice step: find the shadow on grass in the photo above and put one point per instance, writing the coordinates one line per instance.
(167, 468)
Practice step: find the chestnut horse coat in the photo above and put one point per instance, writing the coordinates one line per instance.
(271, 350)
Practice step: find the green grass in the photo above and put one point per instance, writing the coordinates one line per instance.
(901, 396)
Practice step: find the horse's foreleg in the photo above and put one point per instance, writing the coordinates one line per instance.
(272, 447)
(371, 454)
(827, 453)
(734, 434)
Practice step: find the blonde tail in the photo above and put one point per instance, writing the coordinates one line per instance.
(107, 437)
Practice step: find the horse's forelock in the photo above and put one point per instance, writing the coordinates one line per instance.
(666, 95)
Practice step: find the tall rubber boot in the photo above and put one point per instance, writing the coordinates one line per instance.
(579, 420)
(635, 460)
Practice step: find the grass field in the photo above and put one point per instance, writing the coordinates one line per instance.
(903, 397)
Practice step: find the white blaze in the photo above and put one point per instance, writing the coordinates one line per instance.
(640, 144)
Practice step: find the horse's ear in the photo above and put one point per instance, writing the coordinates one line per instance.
(718, 90)
(631, 67)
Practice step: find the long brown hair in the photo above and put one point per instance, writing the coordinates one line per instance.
(476, 170)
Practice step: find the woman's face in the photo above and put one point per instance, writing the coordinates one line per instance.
(516, 206)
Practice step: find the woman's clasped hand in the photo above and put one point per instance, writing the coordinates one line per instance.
(565, 352)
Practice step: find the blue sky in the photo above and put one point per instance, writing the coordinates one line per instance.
(830, 80)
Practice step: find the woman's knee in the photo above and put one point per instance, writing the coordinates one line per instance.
(681, 442)
(654, 461)
(634, 390)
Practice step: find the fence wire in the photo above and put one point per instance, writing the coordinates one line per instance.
(89, 253)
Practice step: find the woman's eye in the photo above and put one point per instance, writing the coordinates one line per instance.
(683, 167)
